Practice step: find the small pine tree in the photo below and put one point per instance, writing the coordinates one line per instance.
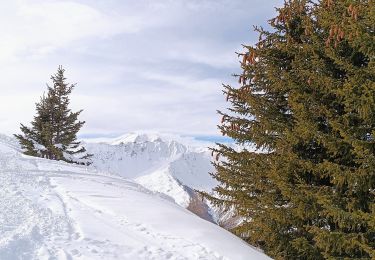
(53, 134)
(306, 101)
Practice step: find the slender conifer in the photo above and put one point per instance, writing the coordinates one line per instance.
(53, 132)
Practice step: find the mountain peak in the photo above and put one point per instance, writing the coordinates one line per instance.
(140, 137)
(145, 136)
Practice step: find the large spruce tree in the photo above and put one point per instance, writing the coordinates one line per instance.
(53, 132)
(306, 102)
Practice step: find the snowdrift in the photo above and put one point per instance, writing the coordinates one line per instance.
(53, 210)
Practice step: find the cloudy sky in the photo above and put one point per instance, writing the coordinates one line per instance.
(154, 65)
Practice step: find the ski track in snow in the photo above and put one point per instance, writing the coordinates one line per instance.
(52, 210)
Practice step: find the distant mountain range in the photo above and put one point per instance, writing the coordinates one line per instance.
(170, 164)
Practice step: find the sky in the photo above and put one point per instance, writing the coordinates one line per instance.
(154, 65)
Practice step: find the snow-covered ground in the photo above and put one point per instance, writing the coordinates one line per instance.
(52, 210)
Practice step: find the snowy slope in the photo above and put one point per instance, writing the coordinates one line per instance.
(52, 210)
(169, 164)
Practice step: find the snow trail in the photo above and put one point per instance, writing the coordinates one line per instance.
(53, 210)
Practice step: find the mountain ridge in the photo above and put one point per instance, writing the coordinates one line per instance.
(173, 165)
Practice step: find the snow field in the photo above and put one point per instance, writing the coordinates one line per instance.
(52, 210)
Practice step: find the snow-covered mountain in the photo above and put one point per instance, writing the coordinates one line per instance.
(169, 164)
(54, 210)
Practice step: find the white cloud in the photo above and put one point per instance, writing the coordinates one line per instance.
(39, 28)
(139, 64)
